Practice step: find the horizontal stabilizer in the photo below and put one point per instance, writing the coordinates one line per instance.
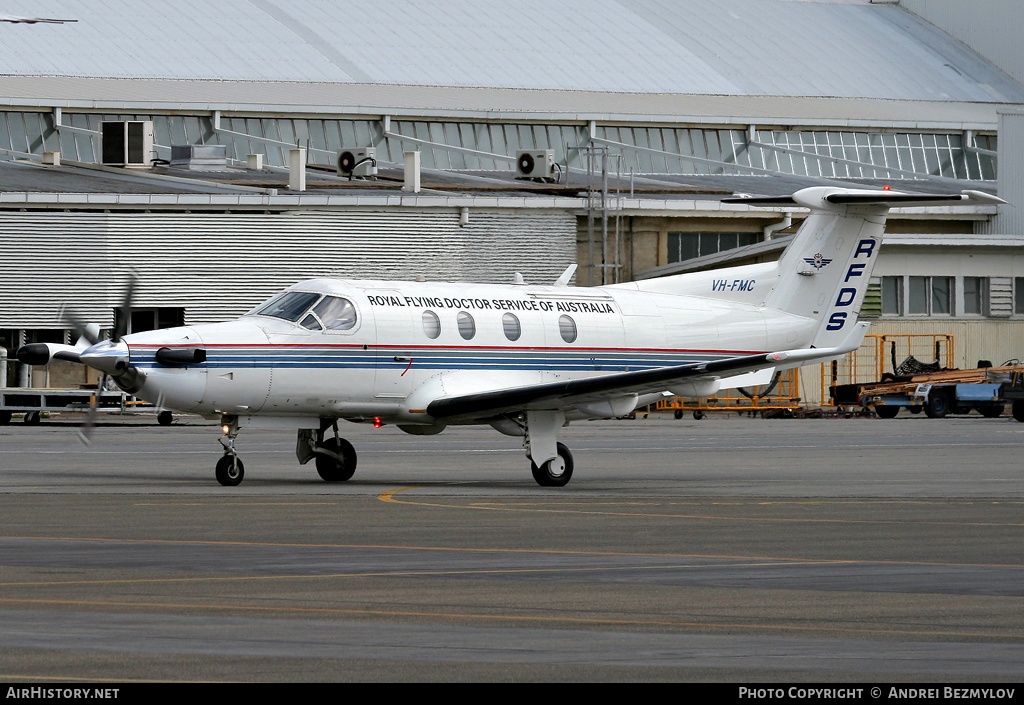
(822, 197)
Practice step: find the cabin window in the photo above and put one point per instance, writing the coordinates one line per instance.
(467, 326)
(510, 323)
(567, 328)
(289, 306)
(336, 313)
(431, 325)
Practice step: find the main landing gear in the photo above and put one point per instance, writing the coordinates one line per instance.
(335, 457)
(555, 472)
(550, 461)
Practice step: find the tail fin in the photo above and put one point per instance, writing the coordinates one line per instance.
(824, 273)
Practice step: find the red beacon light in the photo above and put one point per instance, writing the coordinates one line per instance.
(377, 422)
(887, 187)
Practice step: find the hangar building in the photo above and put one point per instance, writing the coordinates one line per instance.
(224, 153)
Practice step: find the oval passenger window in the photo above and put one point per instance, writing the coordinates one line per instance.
(467, 326)
(431, 325)
(567, 328)
(510, 323)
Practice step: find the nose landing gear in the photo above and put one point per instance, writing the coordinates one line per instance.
(230, 469)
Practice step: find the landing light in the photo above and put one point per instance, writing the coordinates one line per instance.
(225, 429)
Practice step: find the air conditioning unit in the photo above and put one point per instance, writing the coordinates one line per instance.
(535, 164)
(127, 143)
(358, 162)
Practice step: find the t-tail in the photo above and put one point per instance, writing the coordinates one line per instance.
(824, 273)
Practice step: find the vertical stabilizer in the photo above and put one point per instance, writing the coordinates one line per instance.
(824, 273)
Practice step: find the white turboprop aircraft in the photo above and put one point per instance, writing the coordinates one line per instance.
(525, 359)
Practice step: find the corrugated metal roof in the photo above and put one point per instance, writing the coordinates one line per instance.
(143, 95)
(837, 48)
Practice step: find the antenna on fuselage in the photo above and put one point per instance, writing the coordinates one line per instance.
(566, 276)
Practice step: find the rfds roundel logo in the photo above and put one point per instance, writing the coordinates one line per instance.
(818, 261)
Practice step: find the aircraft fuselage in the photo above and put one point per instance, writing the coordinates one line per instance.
(460, 337)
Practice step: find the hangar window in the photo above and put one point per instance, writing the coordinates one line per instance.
(686, 246)
(467, 326)
(510, 324)
(143, 319)
(1018, 295)
(431, 325)
(289, 306)
(930, 296)
(336, 313)
(567, 328)
(892, 296)
(975, 296)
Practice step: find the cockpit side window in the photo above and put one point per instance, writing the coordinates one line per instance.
(290, 306)
(336, 313)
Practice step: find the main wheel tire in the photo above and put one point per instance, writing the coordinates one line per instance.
(936, 406)
(165, 418)
(230, 470)
(547, 476)
(32, 418)
(887, 412)
(329, 469)
(5, 417)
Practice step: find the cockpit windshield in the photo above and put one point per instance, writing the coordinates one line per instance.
(331, 313)
(289, 306)
(336, 313)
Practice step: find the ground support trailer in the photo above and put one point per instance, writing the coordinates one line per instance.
(32, 403)
(986, 389)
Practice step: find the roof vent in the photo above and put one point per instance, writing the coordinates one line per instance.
(199, 157)
(127, 143)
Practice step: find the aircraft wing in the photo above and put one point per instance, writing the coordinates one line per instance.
(568, 393)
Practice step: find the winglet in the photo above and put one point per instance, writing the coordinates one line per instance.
(566, 276)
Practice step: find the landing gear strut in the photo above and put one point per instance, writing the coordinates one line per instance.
(550, 461)
(335, 457)
(230, 469)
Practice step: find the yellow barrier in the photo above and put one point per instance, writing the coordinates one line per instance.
(882, 354)
(783, 394)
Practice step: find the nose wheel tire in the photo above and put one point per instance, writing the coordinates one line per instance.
(230, 470)
(554, 473)
(330, 468)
